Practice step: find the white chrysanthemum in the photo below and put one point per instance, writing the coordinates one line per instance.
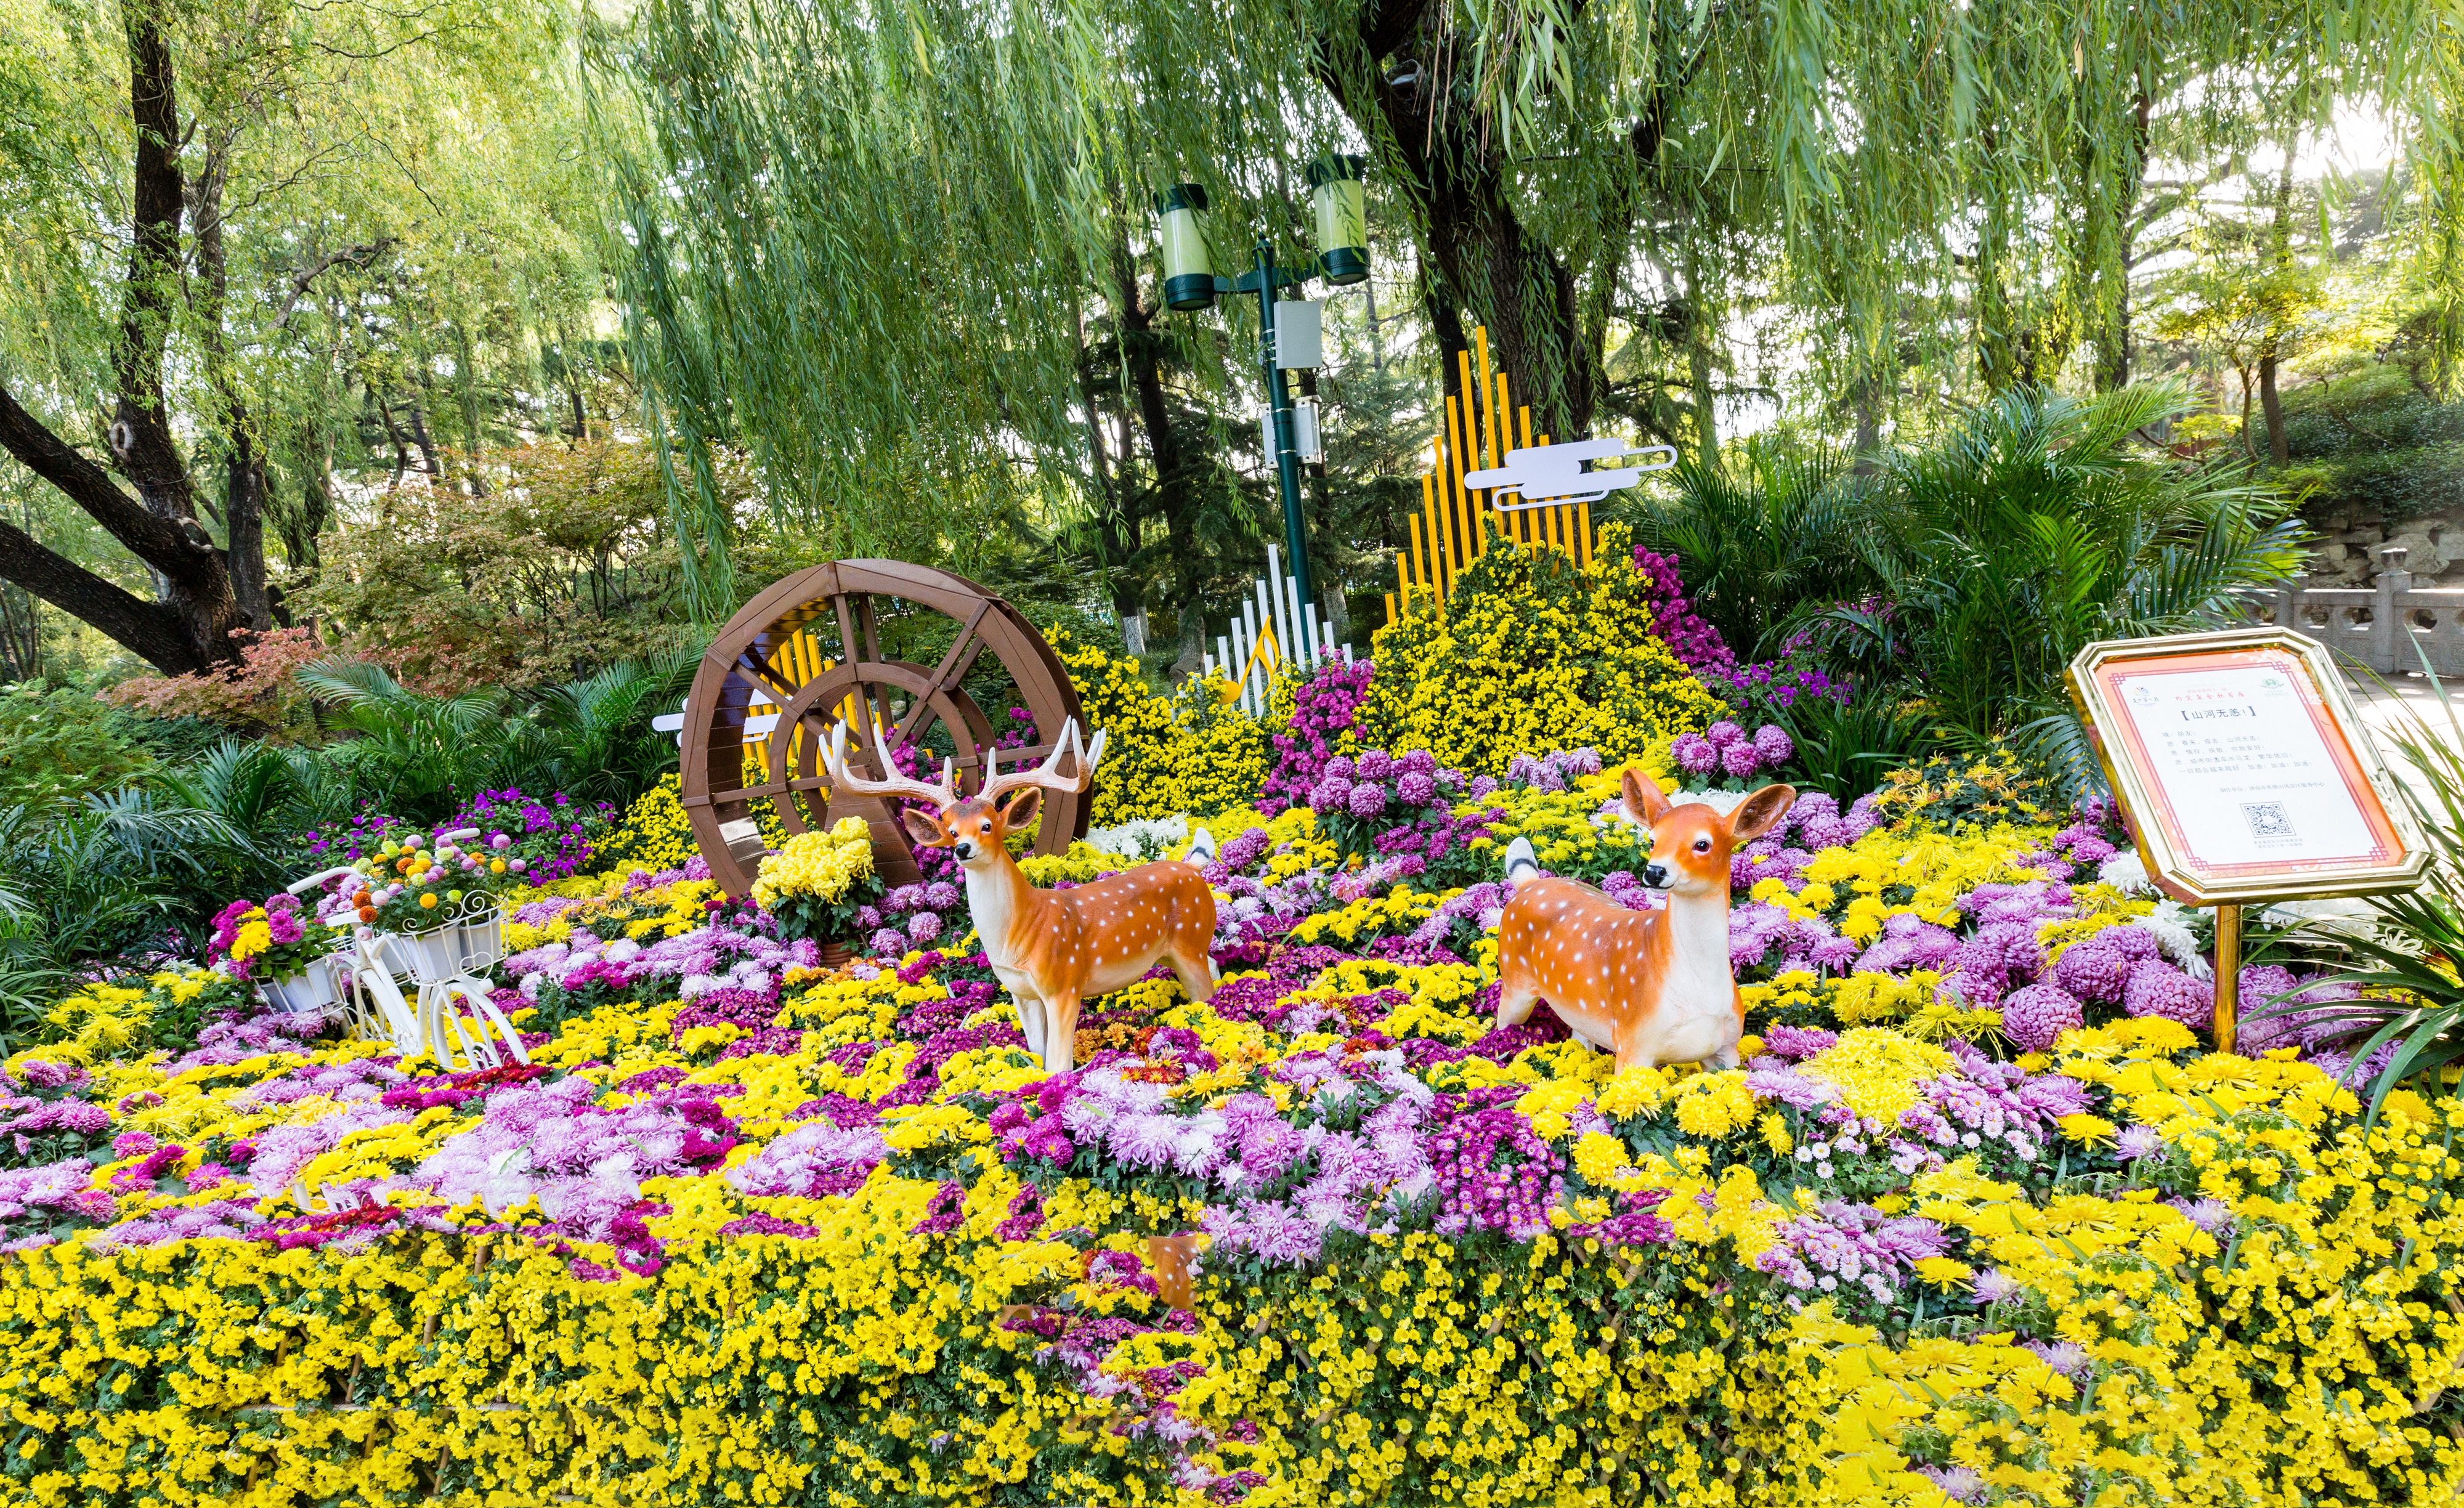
(2171, 926)
(2126, 872)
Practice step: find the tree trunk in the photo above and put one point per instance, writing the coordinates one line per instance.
(243, 461)
(2271, 348)
(244, 529)
(21, 633)
(2271, 404)
(1108, 502)
(465, 392)
(1142, 358)
(1455, 165)
(2119, 213)
(1445, 320)
(1698, 370)
(192, 627)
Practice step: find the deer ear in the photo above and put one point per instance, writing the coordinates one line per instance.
(924, 828)
(1760, 812)
(1644, 801)
(1021, 809)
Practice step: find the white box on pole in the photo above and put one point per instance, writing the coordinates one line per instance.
(1300, 335)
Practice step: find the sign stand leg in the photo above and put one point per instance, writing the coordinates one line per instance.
(2228, 972)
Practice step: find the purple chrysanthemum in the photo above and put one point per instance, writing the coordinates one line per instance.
(2036, 1016)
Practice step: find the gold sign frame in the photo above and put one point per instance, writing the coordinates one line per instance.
(2145, 803)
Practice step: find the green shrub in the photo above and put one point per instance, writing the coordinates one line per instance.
(63, 742)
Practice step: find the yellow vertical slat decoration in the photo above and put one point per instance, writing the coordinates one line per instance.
(1454, 524)
(804, 662)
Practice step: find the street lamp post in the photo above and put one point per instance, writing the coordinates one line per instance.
(1338, 202)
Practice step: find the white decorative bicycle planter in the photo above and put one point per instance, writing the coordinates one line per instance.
(313, 991)
(438, 963)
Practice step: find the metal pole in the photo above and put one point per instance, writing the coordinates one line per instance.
(1278, 439)
(2228, 974)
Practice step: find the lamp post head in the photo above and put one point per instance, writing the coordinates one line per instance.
(1188, 264)
(1342, 211)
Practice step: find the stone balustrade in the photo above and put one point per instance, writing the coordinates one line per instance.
(2388, 627)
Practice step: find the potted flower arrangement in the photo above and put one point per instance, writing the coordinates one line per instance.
(437, 900)
(817, 883)
(276, 946)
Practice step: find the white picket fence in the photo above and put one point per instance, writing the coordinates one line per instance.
(1274, 627)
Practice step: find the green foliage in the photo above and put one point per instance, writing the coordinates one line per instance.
(562, 567)
(2399, 985)
(1847, 749)
(1945, 790)
(423, 754)
(2372, 447)
(275, 796)
(1766, 538)
(62, 742)
(99, 882)
(2036, 527)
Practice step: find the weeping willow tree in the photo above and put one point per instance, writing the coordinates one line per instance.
(871, 237)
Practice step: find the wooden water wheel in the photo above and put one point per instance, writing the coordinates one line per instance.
(776, 652)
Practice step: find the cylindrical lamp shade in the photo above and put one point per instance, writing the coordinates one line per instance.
(1188, 266)
(1342, 207)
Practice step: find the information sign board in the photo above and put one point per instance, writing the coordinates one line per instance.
(2243, 769)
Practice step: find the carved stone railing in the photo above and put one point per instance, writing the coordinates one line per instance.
(2387, 627)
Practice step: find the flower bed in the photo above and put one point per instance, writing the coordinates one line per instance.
(1978, 1220)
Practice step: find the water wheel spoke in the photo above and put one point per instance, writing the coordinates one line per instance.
(951, 669)
(766, 676)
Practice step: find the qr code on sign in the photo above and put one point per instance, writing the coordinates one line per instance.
(2267, 820)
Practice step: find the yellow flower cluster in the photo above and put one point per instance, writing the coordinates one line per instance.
(253, 936)
(1921, 872)
(1559, 822)
(1531, 654)
(655, 834)
(1908, 1002)
(821, 865)
(1398, 911)
(113, 1018)
(1186, 752)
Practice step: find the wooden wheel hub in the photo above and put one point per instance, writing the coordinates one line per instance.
(890, 704)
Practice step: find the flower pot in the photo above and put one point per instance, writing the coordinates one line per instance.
(483, 937)
(311, 992)
(431, 955)
(834, 954)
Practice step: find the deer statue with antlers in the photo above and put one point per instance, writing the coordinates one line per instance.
(1651, 986)
(1054, 949)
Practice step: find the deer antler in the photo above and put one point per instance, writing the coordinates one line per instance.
(834, 761)
(1046, 774)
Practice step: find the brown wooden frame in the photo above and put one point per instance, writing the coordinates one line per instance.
(716, 801)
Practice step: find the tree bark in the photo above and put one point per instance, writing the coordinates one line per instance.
(151, 630)
(192, 629)
(465, 392)
(1459, 171)
(2113, 338)
(243, 458)
(1142, 357)
(2271, 349)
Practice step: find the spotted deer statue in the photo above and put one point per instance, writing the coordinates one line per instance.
(1651, 986)
(1053, 950)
